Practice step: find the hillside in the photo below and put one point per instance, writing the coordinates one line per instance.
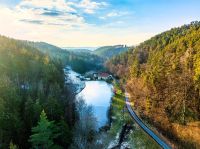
(44, 47)
(110, 51)
(31, 82)
(79, 61)
(78, 50)
(37, 108)
(163, 78)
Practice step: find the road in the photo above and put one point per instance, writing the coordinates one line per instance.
(144, 127)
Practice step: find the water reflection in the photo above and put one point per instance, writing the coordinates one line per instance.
(98, 94)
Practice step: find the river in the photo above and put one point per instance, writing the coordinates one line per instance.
(98, 94)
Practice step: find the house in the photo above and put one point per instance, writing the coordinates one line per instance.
(92, 75)
(104, 76)
(89, 74)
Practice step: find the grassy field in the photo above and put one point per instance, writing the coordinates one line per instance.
(137, 138)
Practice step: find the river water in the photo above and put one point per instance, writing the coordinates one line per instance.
(98, 94)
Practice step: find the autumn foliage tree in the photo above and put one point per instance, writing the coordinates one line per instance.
(162, 75)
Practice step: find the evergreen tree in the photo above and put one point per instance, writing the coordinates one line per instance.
(43, 133)
(12, 146)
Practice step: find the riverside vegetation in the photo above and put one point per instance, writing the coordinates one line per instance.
(135, 137)
(163, 78)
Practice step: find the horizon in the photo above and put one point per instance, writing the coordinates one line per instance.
(82, 48)
(93, 23)
(93, 48)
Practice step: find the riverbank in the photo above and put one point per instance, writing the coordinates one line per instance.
(123, 132)
(135, 138)
(73, 80)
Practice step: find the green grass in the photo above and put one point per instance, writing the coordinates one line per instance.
(137, 138)
(140, 139)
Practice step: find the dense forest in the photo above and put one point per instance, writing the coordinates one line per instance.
(80, 61)
(162, 76)
(36, 109)
(107, 52)
(85, 61)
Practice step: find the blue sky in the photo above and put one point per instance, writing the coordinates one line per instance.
(93, 22)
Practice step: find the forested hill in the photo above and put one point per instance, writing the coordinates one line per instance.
(78, 50)
(30, 82)
(37, 109)
(163, 78)
(110, 51)
(46, 47)
(79, 61)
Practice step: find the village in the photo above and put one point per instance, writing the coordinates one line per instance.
(93, 75)
(88, 76)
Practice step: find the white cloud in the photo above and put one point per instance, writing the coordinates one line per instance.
(59, 5)
(60, 24)
(113, 14)
(47, 12)
(89, 6)
(116, 14)
(28, 21)
(102, 18)
(55, 12)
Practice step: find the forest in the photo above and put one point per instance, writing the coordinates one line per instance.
(81, 62)
(162, 76)
(107, 52)
(36, 109)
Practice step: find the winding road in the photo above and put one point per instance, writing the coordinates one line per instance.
(143, 126)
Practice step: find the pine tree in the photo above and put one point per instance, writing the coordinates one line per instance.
(43, 133)
(12, 146)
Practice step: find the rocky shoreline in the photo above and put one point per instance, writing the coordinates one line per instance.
(72, 79)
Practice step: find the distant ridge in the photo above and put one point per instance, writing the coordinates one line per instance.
(80, 48)
(110, 51)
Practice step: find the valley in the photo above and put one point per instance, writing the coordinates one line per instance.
(144, 96)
